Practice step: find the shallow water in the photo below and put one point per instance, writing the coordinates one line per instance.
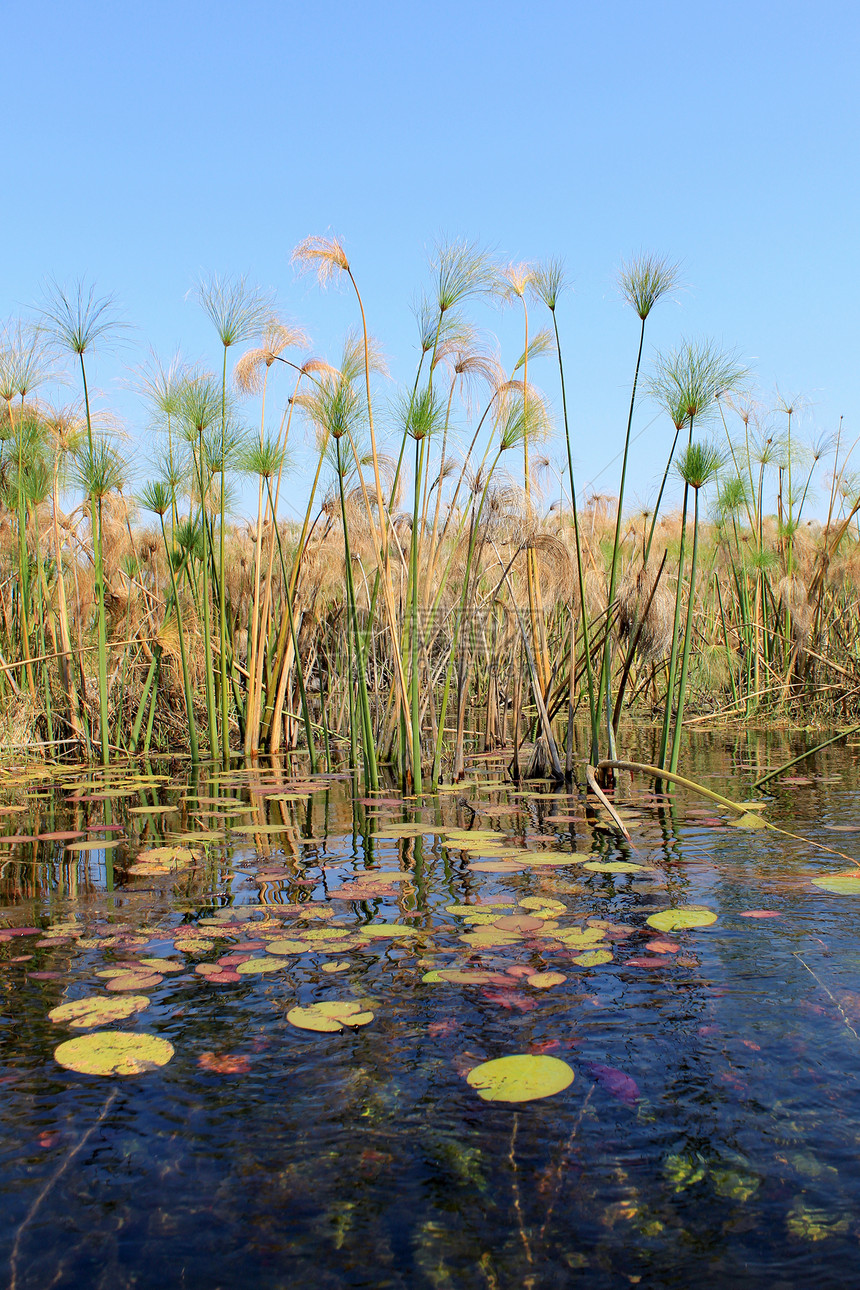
(710, 1135)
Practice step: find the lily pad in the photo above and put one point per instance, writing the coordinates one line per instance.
(372, 930)
(521, 923)
(546, 980)
(134, 981)
(289, 947)
(677, 920)
(498, 866)
(841, 884)
(113, 1052)
(252, 967)
(593, 958)
(523, 1077)
(329, 1016)
(613, 866)
(97, 1009)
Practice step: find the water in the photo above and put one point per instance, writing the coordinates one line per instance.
(710, 1135)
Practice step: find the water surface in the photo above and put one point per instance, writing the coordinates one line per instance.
(710, 1135)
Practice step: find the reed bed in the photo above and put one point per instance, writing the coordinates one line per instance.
(446, 590)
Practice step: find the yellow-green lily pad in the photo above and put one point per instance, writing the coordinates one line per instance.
(841, 884)
(523, 1077)
(288, 947)
(329, 1016)
(114, 1052)
(593, 958)
(678, 920)
(252, 967)
(97, 1010)
(387, 929)
(613, 866)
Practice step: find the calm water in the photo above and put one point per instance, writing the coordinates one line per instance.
(711, 1134)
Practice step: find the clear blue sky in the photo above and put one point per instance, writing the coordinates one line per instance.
(148, 144)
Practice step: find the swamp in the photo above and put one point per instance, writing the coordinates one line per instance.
(438, 879)
(250, 1019)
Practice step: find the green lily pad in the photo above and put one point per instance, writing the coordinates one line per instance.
(113, 1052)
(579, 938)
(841, 884)
(98, 1009)
(329, 1016)
(593, 958)
(253, 966)
(288, 947)
(613, 866)
(523, 1077)
(325, 933)
(498, 866)
(678, 920)
(546, 980)
(387, 929)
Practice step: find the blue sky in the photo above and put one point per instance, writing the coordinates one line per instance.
(147, 145)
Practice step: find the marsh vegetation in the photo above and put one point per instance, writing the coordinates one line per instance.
(446, 589)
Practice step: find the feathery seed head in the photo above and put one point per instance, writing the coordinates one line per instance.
(276, 337)
(699, 464)
(549, 280)
(236, 309)
(543, 342)
(688, 380)
(461, 269)
(324, 256)
(75, 319)
(645, 279)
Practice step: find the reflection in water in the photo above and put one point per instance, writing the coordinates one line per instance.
(709, 1136)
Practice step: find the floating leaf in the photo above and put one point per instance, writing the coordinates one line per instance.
(497, 866)
(334, 967)
(387, 929)
(162, 965)
(404, 830)
(579, 938)
(613, 866)
(288, 947)
(329, 1016)
(521, 923)
(325, 934)
(546, 980)
(252, 967)
(542, 903)
(113, 1052)
(490, 937)
(748, 821)
(523, 1077)
(759, 913)
(97, 845)
(841, 884)
(677, 920)
(97, 1010)
(593, 958)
